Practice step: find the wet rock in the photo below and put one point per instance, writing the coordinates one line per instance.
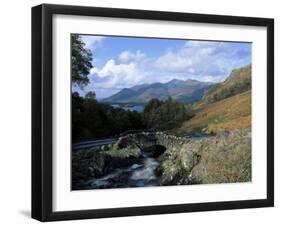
(97, 163)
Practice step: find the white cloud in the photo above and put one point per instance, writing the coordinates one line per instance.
(173, 62)
(126, 57)
(92, 41)
(120, 74)
(204, 61)
(126, 70)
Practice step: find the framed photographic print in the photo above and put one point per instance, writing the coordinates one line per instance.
(145, 112)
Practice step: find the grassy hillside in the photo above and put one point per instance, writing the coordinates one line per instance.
(226, 157)
(239, 81)
(228, 114)
(223, 158)
(225, 106)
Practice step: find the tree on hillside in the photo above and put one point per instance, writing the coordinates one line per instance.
(81, 61)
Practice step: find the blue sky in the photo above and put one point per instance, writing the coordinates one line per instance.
(123, 62)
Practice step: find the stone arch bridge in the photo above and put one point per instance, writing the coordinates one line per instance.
(146, 140)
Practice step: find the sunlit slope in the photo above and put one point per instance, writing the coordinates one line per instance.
(229, 114)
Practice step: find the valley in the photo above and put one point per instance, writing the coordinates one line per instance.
(203, 142)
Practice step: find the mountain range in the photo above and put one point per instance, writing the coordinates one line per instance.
(188, 91)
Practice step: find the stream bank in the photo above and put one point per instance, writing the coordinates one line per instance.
(153, 159)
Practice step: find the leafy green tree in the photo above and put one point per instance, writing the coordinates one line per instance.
(91, 119)
(90, 95)
(81, 61)
(165, 115)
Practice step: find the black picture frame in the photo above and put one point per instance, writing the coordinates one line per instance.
(42, 111)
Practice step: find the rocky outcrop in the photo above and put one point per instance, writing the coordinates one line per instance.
(98, 162)
(224, 158)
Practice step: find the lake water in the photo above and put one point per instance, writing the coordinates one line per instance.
(130, 107)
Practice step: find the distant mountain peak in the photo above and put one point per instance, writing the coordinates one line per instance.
(175, 80)
(191, 80)
(188, 91)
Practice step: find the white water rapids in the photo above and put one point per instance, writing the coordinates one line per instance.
(136, 175)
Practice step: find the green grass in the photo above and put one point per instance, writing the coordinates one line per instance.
(225, 163)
